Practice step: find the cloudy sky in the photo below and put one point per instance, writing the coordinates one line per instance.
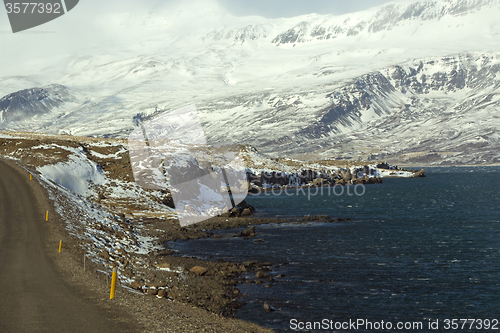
(289, 8)
(265, 8)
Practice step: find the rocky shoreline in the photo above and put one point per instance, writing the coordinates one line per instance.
(341, 176)
(211, 285)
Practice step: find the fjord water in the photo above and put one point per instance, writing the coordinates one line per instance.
(416, 250)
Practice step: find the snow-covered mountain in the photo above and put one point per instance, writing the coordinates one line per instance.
(31, 102)
(395, 17)
(408, 81)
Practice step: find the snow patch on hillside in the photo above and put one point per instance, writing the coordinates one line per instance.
(77, 175)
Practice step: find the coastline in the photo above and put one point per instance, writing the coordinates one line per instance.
(114, 223)
(212, 284)
(423, 165)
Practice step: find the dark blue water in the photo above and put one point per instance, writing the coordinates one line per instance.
(417, 250)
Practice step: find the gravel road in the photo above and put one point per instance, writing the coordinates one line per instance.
(33, 295)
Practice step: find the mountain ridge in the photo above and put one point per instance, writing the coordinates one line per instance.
(294, 98)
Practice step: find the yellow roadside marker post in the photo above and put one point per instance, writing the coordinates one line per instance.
(113, 284)
(60, 246)
(47, 216)
(31, 177)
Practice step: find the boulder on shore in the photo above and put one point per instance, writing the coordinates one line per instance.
(198, 270)
(250, 232)
(246, 212)
(420, 173)
(260, 275)
(267, 307)
(136, 285)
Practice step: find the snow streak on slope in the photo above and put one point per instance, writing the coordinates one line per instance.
(295, 86)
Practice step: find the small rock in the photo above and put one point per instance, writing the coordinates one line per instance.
(235, 212)
(105, 255)
(162, 293)
(198, 270)
(267, 307)
(260, 275)
(420, 173)
(250, 232)
(250, 263)
(136, 285)
(246, 212)
(164, 265)
(127, 272)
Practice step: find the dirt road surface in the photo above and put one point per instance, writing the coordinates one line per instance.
(33, 295)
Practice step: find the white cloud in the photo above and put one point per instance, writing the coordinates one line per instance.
(290, 8)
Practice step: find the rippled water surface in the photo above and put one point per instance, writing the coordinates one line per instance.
(417, 249)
